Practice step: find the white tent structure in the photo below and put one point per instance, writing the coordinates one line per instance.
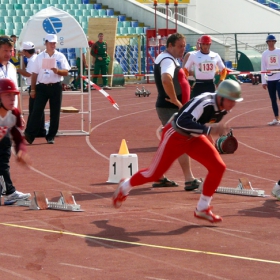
(54, 21)
(69, 35)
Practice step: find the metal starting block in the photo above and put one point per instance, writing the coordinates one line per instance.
(244, 187)
(142, 92)
(66, 202)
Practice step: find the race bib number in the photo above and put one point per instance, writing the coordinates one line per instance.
(273, 60)
(207, 67)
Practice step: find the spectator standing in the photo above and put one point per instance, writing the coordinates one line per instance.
(15, 55)
(204, 62)
(48, 70)
(186, 56)
(28, 51)
(8, 70)
(10, 126)
(102, 60)
(14, 38)
(271, 61)
(173, 92)
(186, 133)
(191, 77)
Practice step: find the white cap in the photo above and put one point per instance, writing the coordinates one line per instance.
(27, 46)
(52, 38)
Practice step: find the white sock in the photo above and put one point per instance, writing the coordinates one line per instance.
(203, 202)
(126, 187)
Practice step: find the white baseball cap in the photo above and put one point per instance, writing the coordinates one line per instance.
(52, 38)
(27, 46)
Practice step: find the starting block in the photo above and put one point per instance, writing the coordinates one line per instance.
(244, 187)
(66, 202)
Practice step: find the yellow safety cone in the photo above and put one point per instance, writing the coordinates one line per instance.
(123, 148)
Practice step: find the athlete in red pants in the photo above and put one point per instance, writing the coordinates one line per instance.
(187, 133)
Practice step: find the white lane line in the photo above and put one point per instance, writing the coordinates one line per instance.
(218, 230)
(153, 278)
(54, 179)
(80, 266)
(249, 174)
(66, 184)
(95, 127)
(156, 220)
(258, 150)
(19, 275)
(245, 113)
(236, 230)
(9, 255)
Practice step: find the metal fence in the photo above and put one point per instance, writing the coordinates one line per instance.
(130, 54)
(229, 44)
(136, 58)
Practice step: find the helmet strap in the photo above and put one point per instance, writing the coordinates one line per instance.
(221, 102)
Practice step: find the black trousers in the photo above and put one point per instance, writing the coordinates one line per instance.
(42, 130)
(45, 93)
(202, 87)
(5, 155)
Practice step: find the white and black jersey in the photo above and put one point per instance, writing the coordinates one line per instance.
(193, 116)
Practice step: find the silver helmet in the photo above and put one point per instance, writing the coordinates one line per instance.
(230, 89)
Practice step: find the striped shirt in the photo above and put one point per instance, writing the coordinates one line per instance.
(193, 116)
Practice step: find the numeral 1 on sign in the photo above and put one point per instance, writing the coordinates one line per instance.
(130, 167)
(114, 165)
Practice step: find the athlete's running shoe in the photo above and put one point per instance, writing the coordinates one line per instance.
(276, 190)
(274, 122)
(15, 196)
(208, 215)
(118, 196)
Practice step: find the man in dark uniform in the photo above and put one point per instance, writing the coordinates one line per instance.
(102, 60)
(173, 92)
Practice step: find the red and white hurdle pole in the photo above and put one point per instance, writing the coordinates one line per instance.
(111, 100)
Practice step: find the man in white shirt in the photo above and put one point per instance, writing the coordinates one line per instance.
(204, 63)
(271, 82)
(7, 69)
(28, 50)
(47, 73)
